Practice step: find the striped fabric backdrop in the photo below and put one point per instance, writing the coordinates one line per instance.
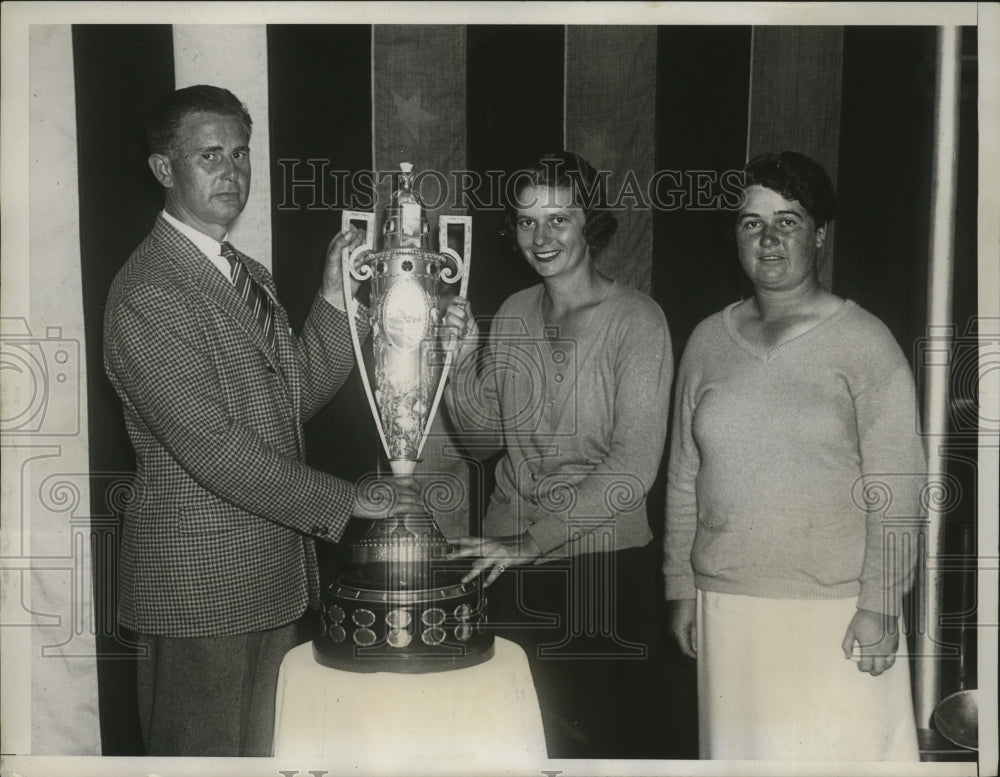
(331, 106)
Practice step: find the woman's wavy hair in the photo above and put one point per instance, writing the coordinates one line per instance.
(795, 177)
(564, 170)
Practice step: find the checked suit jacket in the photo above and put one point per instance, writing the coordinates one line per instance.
(218, 539)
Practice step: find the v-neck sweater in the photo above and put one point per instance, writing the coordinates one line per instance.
(795, 471)
(583, 421)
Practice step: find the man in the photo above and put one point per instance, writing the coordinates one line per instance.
(217, 554)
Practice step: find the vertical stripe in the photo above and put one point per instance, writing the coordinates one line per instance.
(17, 393)
(800, 112)
(314, 158)
(566, 88)
(515, 113)
(753, 40)
(320, 131)
(701, 102)
(418, 106)
(610, 121)
(235, 57)
(119, 72)
(419, 116)
(371, 76)
(64, 692)
(885, 146)
(936, 402)
(984, 245)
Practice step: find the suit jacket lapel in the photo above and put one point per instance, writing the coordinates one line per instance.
(212, 285)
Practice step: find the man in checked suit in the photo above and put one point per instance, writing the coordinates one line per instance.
(217, 555)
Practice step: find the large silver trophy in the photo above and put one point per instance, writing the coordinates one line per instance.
(401, 606)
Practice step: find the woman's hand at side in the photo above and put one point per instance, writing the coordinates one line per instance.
(684, 626)
(877, 636)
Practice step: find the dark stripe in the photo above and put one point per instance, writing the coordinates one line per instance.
(120, 70)
(885, 147)
(319, 79)
(702, 84)
(515, 105)
(514, 92)
(802, 113)
(610, 121)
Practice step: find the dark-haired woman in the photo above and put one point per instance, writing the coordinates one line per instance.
(795, 412)
(575, 386)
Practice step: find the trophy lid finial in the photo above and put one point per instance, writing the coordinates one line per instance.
(406, 223)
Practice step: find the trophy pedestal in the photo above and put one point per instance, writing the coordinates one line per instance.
(402, 606)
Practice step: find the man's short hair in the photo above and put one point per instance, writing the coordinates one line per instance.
(167, 115)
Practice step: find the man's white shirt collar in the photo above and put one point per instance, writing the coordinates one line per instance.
(209, 246)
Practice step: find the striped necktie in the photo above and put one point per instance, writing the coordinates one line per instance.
(257, 300)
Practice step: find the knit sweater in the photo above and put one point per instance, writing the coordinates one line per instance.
(795, 471)
(583, 421)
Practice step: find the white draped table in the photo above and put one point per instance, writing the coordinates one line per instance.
(485, 715)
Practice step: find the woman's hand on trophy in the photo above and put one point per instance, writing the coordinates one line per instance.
(382, 497)
(459, 323)
(333, 281)
(493, 556)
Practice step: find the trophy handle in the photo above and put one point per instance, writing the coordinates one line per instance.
(461, 270)
(463, 265)
(353, 265)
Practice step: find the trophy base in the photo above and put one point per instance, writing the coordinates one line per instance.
(367, 629)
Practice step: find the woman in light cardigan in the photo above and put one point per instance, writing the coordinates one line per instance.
(575, 389)
(794, 411)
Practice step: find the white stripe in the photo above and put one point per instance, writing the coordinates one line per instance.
(61, 668)
(988, 497)
(235, 57)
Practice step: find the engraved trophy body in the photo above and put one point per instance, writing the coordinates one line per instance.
(401, 605)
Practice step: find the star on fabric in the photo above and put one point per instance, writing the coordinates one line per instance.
(411, 113)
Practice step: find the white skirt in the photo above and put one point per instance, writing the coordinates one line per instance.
(773, 684)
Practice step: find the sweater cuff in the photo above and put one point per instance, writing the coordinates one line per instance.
(679, 587)
(877, 599)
